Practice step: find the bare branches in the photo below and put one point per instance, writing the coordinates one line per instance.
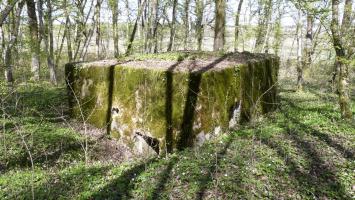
(7, 10)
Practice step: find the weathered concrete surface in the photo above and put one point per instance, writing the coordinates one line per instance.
(174, 100)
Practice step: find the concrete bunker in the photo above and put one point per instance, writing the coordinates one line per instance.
(162, 102)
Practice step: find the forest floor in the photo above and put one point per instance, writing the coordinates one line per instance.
(304, 150)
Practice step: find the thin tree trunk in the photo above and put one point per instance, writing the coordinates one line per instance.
(114, 8)
(97, 27)
(35, 45)
(219, 29)
(155, 25)
(4, 13)
(68, 32)
(40, 21)
(199, 26)
(299, 53)
(49, 44)
(237, 28)
(309, 41)
(187, 23)
(341, 56)
(172, 28)
(133, 34)
(263, 25)
(13, 40)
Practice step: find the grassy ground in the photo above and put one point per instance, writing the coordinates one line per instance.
(302, 151)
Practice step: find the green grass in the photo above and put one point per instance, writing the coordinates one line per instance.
(302, 151)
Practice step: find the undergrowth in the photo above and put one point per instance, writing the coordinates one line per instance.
(304, 150)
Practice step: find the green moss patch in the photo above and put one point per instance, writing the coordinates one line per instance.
(174, 100)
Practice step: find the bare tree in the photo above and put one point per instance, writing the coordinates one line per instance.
(68, 32)
(114, 9)
(199, 26)
(186, 23)
(133, 34)
(172, 28)
(342, 56)
(35, 43)
(8, 8)
(8, 61)
(220, 22)
(265, 8)
(237, 28)
(49, 43)
(98, 28)
(299, 52)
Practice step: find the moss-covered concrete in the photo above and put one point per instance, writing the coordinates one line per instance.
(88, 88)
(167, 105)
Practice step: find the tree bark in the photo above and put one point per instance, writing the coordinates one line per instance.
(35, 45)
(299, 53)
(155, 25)
(172, 28)
(309, 41)
(4, 13)
(68, 32)
(237, 28)
(219, 29)
(263, 25)
(97, 28)
(49, 43)
(114, 9)
(187, 23)
(199, 26)
(8, 61)
(133, 34)
(342, 59)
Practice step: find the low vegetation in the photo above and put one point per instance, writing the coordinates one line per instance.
(304, 150)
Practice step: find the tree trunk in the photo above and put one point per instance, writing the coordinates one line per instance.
(299, 53)
(219, 29)
(133, 34)
(40, 21)
(4, 13)
(68, 32)
(309, 41)
(263, 25)
(342, 59)
(8, 61)
(155, 25)
(49, 44)
(114, 9)
(97, 27)
(172, 28)
(35, 46)
(187, 23)
(237, 28)
(199, 26)
(151, 26)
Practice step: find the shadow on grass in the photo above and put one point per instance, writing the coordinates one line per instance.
(121, 187)
(163, 179)
(47, 150)
(205, 180)
(319, 180)
(321, 177)
(348, 154)
(67, 184)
